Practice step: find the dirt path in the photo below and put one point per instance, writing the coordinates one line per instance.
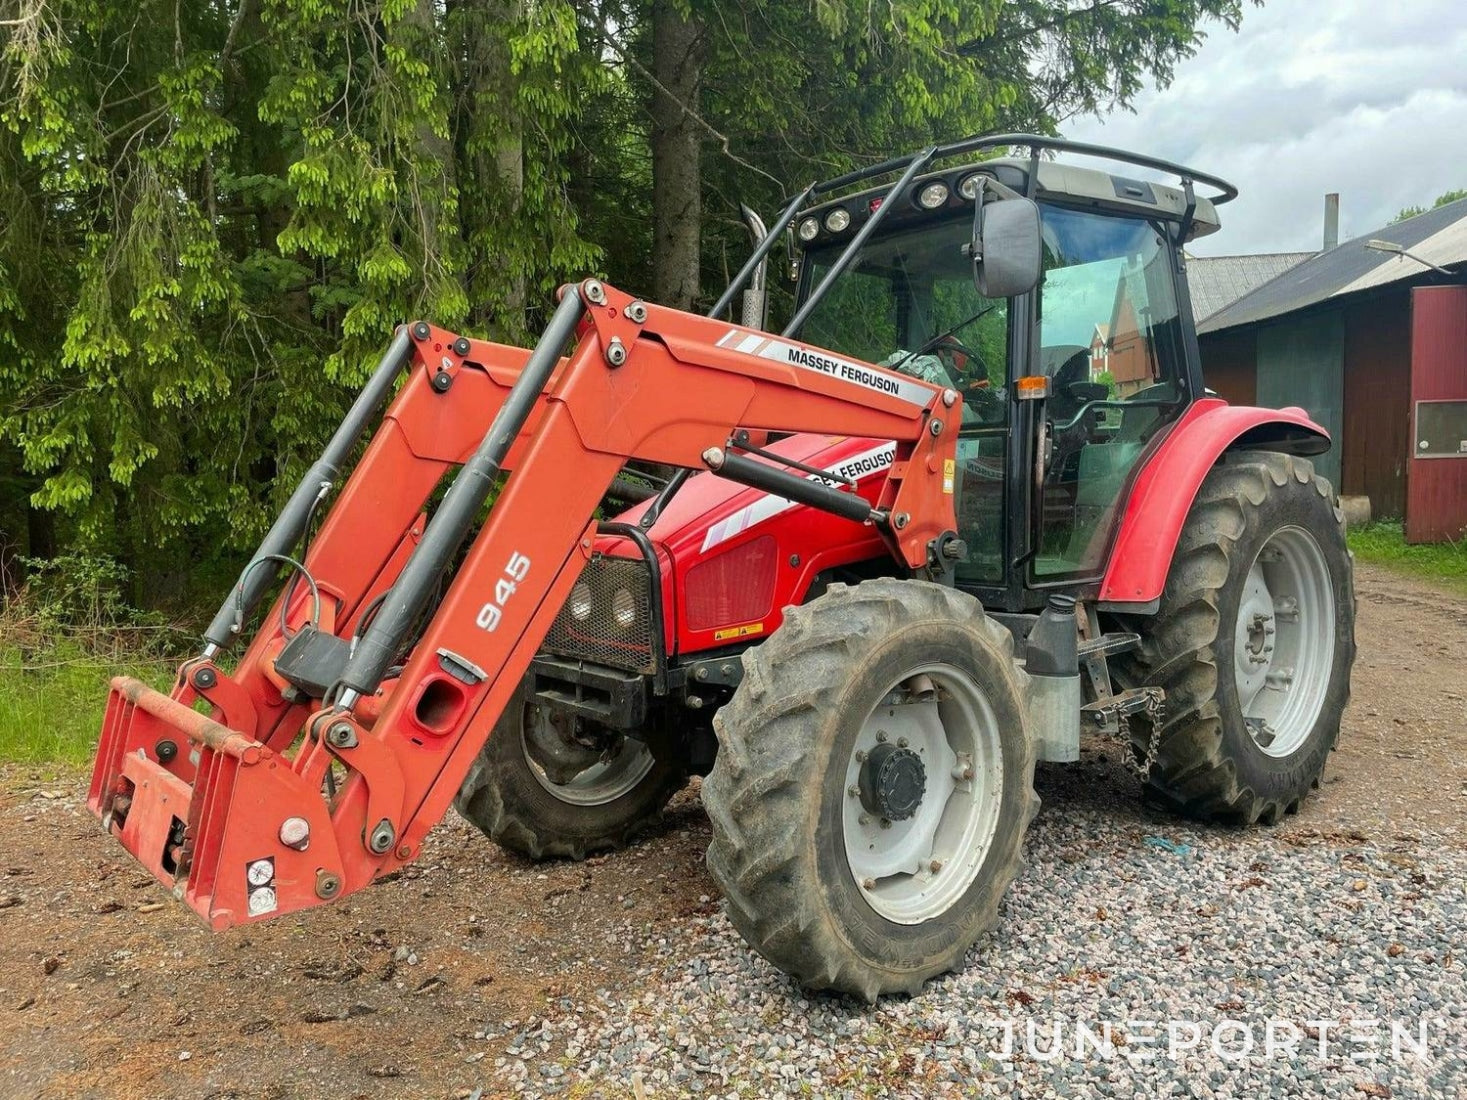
(106, 992)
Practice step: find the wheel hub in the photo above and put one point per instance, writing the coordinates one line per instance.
(892, 782)
(1284, 642)
(924, 786)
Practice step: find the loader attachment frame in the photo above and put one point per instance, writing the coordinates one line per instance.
(283, 796)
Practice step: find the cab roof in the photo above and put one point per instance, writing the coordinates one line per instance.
(1067, 184)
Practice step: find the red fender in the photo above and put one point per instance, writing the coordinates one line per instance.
(1166, 486)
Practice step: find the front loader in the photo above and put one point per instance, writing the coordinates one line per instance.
(988, 397)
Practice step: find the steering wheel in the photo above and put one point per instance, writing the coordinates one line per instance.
(954, 355)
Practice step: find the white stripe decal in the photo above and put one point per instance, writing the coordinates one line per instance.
(848, 370)
(769, 506)
(865, 376)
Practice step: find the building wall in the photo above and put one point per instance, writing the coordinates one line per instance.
(1230, 364)
(1376, 442)
(1437, 504)
(1301, 361)
(1353, 374)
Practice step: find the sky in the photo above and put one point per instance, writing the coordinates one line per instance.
(1364, 97)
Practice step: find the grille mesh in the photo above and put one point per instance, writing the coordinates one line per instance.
(599, 637)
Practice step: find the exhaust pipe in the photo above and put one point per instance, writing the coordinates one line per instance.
(755, 307)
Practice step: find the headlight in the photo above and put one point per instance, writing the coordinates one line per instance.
(932, 196)
(968, 188)
(580, 602)
(837, 219)
(623, 608)
(809, 229)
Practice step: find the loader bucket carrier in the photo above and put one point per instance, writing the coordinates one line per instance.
(321, 766)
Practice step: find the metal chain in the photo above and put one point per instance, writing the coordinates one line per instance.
(1155, 712)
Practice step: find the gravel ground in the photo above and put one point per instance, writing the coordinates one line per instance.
(475, 973)
(1122, 917)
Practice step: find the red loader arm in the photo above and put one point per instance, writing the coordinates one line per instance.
(276, 800)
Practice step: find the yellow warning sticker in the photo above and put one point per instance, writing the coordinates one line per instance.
(949, 473)
(738, 631)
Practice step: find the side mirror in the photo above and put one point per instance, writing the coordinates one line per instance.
(1008, 256)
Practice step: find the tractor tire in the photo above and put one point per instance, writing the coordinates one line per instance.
(512, 800)
(828, 869)
(1253, 643)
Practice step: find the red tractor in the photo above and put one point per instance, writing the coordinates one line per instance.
(974, 500)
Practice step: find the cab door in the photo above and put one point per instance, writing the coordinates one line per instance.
(1111, 343)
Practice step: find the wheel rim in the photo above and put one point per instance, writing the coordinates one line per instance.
(618, 772)
(1284, 646)
(915, 869)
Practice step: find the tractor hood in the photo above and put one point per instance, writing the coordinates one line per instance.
(710, 511)
(732, 558)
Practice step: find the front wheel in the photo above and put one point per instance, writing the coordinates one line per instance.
(873, 785)
(544, 786)
(1253, 643)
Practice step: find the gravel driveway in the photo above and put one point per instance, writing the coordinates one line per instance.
(475, 973)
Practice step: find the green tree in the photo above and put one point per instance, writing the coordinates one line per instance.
(1441, 200)
(212, 213)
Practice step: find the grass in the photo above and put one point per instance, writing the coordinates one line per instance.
(54, 675)
(51, 705)
(1443, 563)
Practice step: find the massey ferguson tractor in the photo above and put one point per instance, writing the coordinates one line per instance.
(972, 502)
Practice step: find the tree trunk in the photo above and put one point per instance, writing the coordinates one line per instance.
(677, 65)
(491, 151)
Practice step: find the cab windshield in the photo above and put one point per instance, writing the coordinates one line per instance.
(912, 291)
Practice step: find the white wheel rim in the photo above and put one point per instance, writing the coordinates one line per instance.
(1284, 645)
(913, 870)
(617, 772)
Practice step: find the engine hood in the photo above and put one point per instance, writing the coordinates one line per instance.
(709, 511)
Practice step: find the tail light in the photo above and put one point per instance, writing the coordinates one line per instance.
(736, 586)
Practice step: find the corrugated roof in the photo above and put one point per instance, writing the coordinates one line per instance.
(1218, 281)
(1439, 236)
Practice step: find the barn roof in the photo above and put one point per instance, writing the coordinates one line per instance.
(1439, 236)
(1217, 282)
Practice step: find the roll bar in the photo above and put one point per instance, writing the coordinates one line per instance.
(915, 162)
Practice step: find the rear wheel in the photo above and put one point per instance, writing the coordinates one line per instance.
(543, 786)
(1253, 643)
(873, 785)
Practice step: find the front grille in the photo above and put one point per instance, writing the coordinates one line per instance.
(599, 637)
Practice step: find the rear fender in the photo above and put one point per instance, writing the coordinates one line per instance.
(1166, 486)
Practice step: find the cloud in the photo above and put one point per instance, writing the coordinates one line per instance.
(1363, 98)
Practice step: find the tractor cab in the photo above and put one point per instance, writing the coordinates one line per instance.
(1063, 385)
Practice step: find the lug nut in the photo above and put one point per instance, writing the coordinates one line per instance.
(868, 884)
(902, 742)
(854, 792)
(881, 735)
(886, 823)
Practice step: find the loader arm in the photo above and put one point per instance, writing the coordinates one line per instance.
(279, 799)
